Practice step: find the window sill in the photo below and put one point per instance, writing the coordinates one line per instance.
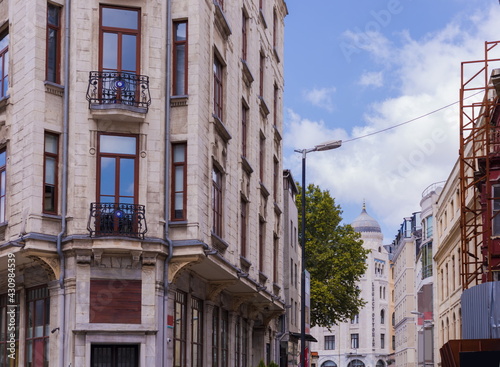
(262, 18)
(54, 88)
(179, 101)
(264, 110)
(221, 21)
(221, 129)
(247, 74)
(245, 264)
(246, 165)
(3, 102)
(263, 190)
(219, 244)
(51, 216)
(177, 223)
(276, 54)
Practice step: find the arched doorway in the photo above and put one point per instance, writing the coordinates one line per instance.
(380, 363)
(329, 364)
(356, 363)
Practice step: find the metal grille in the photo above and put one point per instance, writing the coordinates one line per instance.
(115, 219)
(115, 356)
(123, 88)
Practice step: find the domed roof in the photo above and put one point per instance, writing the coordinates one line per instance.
(365, 223)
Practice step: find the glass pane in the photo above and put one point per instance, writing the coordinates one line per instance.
(179, 201)
(53, 15)
(5, 86)
(127, 174)
(179, 153)
(51, 143)
(51, 55)
(180, 31)
(29, 353)
(29, 332)
(4, 42)
(118, 144)
(49, 199)
(120, 18)
(129, 52)
(179, 179)
(50, 170)
(2, 183)
(110, 51)
(2, 158)
(108, 173)
(6, 63)
(39, 314)
(180, 69)
(106, 199)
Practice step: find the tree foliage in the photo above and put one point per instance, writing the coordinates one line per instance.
(335, 259)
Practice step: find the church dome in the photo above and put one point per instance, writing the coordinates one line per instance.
(365, 223)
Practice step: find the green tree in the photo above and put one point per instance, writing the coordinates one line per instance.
(335, 259)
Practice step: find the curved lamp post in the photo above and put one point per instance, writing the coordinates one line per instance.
(329, 145)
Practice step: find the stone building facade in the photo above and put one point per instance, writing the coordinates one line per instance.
(141, 182)
(365, 341)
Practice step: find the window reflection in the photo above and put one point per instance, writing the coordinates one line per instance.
(120, 18)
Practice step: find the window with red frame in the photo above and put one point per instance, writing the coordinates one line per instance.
(4, 63)
(217, 201)
(180, 58)
(218, 88)
(53, 63)
(179, 188)
(50, 163)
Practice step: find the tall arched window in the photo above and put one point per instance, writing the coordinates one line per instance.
(329, 364)
(382, 317)
(380, 363)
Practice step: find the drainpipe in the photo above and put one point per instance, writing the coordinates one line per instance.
(64, 184)
(164, 326)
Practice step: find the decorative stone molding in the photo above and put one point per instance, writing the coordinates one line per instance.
(83, 257)
(270, 316)
(149, 258)
(215, 288)
(176, 265)
(97, 256)
(239, 299)
(49, 263)
(136, 257)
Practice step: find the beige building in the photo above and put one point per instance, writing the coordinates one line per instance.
(448, 287)
(289, 338)
(404, 248)
(141, 196)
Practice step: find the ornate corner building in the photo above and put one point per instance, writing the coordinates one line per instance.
(141, 182)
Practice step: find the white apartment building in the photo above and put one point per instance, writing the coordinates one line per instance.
(141, 199)
(365, 341)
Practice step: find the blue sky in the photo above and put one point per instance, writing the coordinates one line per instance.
(354, 68)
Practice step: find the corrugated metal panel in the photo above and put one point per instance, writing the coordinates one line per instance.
(481, 311)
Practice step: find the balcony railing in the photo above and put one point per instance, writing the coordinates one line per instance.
(107, 88)
(113, 219)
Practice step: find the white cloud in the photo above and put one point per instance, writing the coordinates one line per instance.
(373, 79)
(392, 169)
(320, 97)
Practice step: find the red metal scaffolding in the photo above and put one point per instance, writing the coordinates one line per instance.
(479, 168)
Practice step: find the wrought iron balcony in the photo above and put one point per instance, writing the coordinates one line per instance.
(114, 219)
(108, 88)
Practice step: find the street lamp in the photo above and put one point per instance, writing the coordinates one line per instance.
(329, 145)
